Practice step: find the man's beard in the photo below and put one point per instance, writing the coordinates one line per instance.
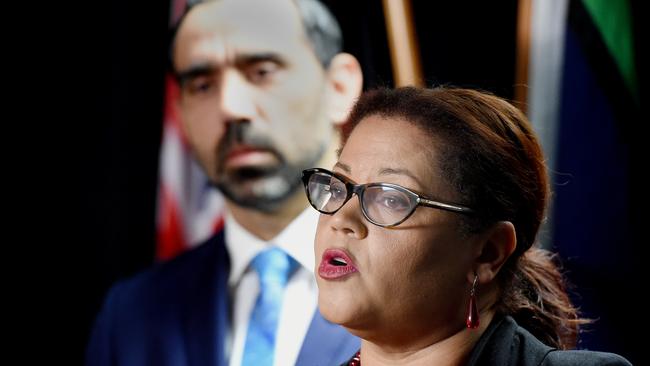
(264, 188)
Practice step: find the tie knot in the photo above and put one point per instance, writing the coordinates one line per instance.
(273, 265)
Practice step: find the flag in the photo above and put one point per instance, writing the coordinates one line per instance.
(189, 209)
(584, 103)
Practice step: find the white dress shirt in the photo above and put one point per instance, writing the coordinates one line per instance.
(301, 293)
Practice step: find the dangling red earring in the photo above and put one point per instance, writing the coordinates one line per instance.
(472, 311)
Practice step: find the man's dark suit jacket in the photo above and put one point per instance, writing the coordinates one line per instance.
(177, 313)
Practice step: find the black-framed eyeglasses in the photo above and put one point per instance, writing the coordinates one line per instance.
(383, 204)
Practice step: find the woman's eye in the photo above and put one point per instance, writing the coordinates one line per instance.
(337, 191)
(395, 202)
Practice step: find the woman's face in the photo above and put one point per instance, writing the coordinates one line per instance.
(400, 283)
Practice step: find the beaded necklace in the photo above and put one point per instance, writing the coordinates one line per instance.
(356, 360)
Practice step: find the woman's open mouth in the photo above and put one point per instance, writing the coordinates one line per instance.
(335, 264)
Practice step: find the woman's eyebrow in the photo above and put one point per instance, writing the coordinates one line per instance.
(346, 168)
(400, 171)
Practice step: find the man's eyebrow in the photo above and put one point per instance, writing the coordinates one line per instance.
(248, 59)
(343, 166)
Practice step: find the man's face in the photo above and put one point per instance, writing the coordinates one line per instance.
(252, 98)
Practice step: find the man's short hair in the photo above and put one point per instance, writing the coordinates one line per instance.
(321, 28)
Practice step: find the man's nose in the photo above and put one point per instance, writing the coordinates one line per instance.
(237, 97)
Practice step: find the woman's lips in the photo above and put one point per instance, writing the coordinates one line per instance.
(335, 264)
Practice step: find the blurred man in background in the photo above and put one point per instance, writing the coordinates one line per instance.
(263, 88)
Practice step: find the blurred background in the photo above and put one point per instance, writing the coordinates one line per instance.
(576, 71)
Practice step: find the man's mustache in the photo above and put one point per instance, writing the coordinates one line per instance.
(240, 133)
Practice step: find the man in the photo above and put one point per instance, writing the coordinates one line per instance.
(262, 88)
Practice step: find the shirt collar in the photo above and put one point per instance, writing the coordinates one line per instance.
(297, 239)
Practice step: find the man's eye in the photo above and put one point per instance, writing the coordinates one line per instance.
(262, 72)
(201, 85)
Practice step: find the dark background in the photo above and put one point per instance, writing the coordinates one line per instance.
(109, 202)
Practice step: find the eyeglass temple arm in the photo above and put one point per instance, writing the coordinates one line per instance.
(446, 206)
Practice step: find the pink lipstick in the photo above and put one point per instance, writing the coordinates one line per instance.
(335, 264)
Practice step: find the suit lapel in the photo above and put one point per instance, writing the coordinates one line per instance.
(207, 309)
(326, 344)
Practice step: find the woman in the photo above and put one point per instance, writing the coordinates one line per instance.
(435, 264)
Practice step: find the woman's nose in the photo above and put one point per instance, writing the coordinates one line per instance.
(349, 220)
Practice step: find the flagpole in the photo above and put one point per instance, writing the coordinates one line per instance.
(523, 51)
(402, 42)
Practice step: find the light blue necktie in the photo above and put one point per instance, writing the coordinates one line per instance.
(273, 267)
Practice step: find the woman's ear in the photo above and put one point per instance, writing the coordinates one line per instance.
(500, 243)
(345, 82)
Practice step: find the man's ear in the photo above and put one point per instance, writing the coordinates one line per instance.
(345, 81)
(500, 243)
